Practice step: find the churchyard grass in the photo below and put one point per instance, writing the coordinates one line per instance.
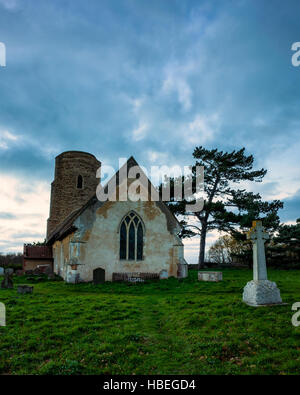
(160, 327)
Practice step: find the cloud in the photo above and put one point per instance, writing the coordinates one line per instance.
(140, 132)
(22, 220)
(100, 77)
(6, 138)
(158, 158)
(6, 215)
(202, 129)
(9, 4)
(177, 84)
(292, 208)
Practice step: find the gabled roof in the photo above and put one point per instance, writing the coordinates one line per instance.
(67, 226)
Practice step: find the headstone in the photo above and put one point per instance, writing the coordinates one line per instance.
(260, 291)
(98, 276)
(1, 271)
(2, 314)
(48, 270)
(25, 289)
(183, 270)
(135, 280)
(37, 271)
(7, 283)
(163, 275)
(210, 276)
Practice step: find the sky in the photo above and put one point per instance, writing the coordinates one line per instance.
(152, 79)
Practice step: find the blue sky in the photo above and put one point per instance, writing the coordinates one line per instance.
(151, 79)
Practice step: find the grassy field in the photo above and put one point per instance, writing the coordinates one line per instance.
(160, 327)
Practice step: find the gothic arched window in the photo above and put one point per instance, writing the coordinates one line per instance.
(79, 182)
(131, 237)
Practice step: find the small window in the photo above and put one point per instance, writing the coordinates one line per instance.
(131, 237)
(79, 182)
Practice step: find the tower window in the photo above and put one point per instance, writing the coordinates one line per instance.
(131, 237)
(79, 182)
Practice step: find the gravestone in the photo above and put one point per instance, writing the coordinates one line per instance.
(135, 280)
(51, 276)
(260, 291)
(163, 275)
(48, 270)
(25, 289)
(210, 276)
(1, 271)
(7, 283)
(182, 271)
(2, 314)
(98, 276)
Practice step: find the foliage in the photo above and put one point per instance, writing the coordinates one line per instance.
(226, 249)
(289, 234)
(37, 243)
(284, 248)
(160, 327)
(226, 206)
(14, 261)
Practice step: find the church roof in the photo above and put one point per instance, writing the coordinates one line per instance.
(67, 226)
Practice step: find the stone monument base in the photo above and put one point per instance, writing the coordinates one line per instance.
(261, 292)
(210, 276)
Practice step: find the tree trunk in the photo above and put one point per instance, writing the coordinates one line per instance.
(202, 247)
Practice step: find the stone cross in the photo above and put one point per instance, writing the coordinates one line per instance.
(258, 237)
(260, 291)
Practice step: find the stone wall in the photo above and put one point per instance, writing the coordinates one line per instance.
(65, 196)
(31, 264)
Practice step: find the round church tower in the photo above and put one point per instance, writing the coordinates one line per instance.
(74, 184)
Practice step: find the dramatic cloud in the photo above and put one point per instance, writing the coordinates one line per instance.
(149, 79)
(24, 211)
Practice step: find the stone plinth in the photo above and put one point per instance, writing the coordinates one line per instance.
(210, 276)
(163, 275)
(25, 289)
(261, 293)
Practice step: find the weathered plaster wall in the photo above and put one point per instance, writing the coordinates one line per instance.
(96, 242)
(61, 256)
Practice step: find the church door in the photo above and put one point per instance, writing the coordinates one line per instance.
(99, 276)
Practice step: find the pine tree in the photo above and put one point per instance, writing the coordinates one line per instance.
(226, 207)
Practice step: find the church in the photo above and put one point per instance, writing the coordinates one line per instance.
(94, 240)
